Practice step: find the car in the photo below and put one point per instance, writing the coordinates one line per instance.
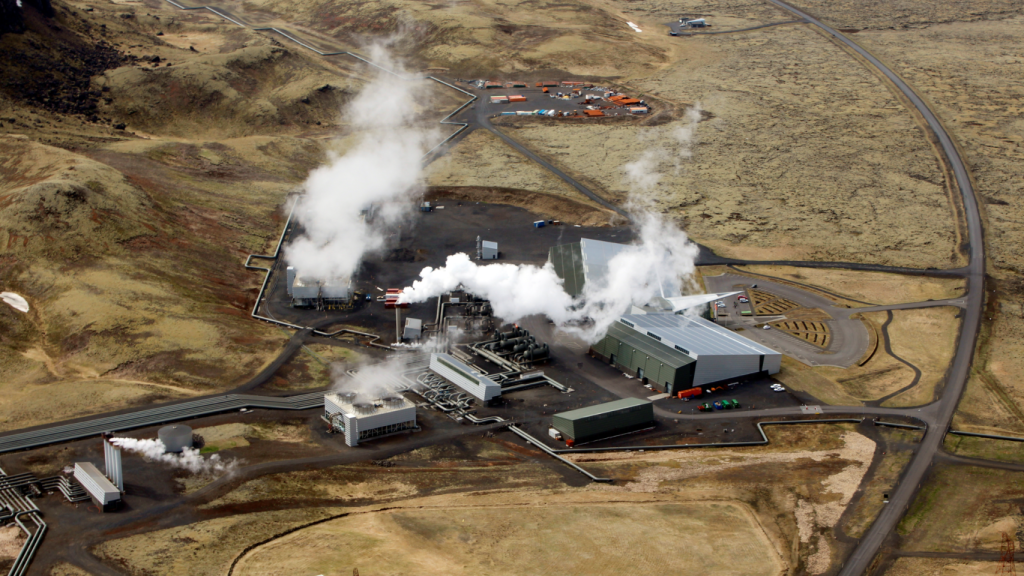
(718, 405)
(743, 299)
(720, 304)
(774, 386)
(767, 327)
(778, 389)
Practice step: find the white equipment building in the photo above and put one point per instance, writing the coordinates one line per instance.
(479, 386)
(362, 419)
(486, 250)
(102, 490)
(413, 329)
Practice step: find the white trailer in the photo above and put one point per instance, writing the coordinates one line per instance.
(102, 490)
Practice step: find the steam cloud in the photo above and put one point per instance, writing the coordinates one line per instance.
(382, 169)
(189, 459)
(662, 263)
(663, 260)
(371, 381)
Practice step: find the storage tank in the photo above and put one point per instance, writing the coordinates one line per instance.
(175, 437)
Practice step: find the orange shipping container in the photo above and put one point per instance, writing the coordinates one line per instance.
(517, 98)
(627, 101)
(545, 90)
(593, 113)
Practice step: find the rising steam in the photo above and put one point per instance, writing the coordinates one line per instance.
(370, 381)
(189, 459)
(662, 263)
(382, 170)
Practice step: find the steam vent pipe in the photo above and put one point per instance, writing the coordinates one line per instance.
(175, 437)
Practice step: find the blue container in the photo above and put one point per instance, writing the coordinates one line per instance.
(539, 224)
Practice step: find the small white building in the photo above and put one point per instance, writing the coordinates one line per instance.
(413, 329)
(476, 384)
(101, 489)
(488, 250)
(362, 419)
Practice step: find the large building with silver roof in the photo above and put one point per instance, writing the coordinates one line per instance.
(673, 352)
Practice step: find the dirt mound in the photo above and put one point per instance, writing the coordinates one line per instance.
(241, 92)
(61, 205)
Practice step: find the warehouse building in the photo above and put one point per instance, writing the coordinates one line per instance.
(587, 261)
(362, 419)
(479, 386)
(582, 262)
(673, 352)
(604, 420)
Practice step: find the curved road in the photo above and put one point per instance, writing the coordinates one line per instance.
(862, 557)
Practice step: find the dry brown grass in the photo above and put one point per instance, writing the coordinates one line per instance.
(871, 287)
(924, 337)
(794, 159)
(544, 535)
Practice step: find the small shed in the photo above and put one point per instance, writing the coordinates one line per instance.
(488, 250)
(603, 420)
(593, 113)
(413, 329)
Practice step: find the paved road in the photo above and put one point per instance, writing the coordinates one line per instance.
(849, 337)
(883, 527)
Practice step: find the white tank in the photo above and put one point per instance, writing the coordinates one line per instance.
(175, 437)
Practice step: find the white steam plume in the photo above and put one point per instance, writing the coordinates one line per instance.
(381, 169)
(371, 381)
(644, 174)
(662, 263)
(189, 459)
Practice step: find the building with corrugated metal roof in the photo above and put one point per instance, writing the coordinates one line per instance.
(605, 420)
(672, 352)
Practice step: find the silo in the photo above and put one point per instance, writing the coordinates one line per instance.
(175, 437)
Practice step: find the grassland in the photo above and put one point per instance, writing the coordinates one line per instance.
(924, 337)
(543, 536)
(872, 288)
(963, 508)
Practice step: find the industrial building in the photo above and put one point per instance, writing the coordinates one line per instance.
(102, 490)
(362, 419)
(604, 420)
(479, 386)
(672, 352)
(308, 292)
(582, 262)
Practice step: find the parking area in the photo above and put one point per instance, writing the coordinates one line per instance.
(801, 324)
(559, 101)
